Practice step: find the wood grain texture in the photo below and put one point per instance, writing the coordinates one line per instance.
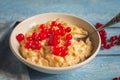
(92, 10)
(101, 68)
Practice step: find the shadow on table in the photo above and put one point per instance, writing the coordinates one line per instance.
(40, 75)
(10, 67)
(36, 75)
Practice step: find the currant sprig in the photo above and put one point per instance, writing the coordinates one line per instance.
(107, 43)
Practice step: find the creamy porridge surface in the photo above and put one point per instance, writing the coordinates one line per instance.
(53, 44)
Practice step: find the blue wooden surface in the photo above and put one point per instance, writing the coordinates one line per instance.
(106, 65)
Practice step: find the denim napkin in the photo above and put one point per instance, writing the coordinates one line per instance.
(10, 67)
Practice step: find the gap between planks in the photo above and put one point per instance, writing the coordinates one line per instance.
(100, 55)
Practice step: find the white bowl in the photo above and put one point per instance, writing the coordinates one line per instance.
(25, 25)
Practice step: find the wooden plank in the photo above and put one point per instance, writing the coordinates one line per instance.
(101, 68)
(113, 51)
(111, 31)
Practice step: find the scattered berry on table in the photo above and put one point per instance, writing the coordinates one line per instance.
(116, 78)
(107, 43)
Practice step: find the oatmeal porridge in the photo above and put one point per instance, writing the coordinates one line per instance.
(54, 44)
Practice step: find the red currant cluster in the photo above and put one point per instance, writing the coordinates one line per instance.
(107, 43)
(31, 41)
(116, 78)
(52, 35)
(57, 31)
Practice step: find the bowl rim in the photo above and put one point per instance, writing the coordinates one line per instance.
(55, 68)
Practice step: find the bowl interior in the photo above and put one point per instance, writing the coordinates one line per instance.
(27, 24)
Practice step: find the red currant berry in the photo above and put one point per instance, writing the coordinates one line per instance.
(68, 36)
(107, 46)
(56, 53)
(64, 53)
(116, 78)
(51, 30)
(38, 38)
(68, 29)
(20, 37)
(56, 42)
(113, 38)
(48, 35)
(103, 41)
(46, 31)
(29, 38)
(119, 37)
(62, 48)
(98, 24)
(38, 47)
(34, 34)
(103, 34)
(56, 37)
(63, 32)
(35, 43)
(59, 50)
(54, 23)
(35, 37)
(60, 26)
(68, 43)
(28, 44)
(56, 50)
(42, 26)
(43, 36)
(103, 31)
(112, 44)
(118, 42)
(50, 42)
(57, 32)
